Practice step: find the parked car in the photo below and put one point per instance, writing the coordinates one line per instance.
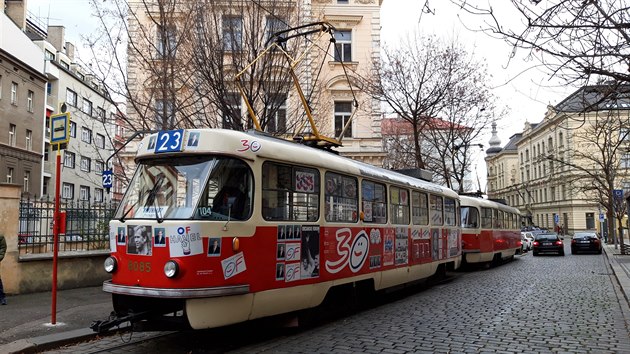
(527, 242)
(586, 241)
(548, 243)
(530, 237)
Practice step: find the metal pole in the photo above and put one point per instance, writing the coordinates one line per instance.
(56, 228)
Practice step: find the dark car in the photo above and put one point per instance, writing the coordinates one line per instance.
(586, 241)
(548, 243)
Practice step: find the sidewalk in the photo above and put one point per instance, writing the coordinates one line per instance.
(25, 323)
(620, 265)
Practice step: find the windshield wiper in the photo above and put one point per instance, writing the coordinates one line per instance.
(151, 198)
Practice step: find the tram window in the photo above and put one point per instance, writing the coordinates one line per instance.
(228, 193)
(486, 218)
(497, 216)
(449, 212)
(437, 210)
(419, 208)
(290, 192)
(399, 202)
(341, 198)
(470, 217)
(374, 202)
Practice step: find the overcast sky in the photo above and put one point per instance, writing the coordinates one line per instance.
(527, 95)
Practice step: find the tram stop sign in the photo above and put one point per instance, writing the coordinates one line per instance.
(107, 179)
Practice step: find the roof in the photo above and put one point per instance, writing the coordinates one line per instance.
(514, 139)
(597, 97)
(398, 126)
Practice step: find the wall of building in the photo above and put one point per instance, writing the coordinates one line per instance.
(33, 273)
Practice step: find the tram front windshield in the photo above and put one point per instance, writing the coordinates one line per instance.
(208, 187)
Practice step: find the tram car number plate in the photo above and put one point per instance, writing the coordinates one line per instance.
(169, 141)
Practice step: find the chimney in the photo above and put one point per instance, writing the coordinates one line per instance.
(70, 51)
(16, 11)
(56, 36)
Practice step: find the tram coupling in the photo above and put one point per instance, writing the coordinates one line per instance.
(115, 320)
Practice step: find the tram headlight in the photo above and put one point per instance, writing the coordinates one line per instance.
(110, 264)
(171, 269)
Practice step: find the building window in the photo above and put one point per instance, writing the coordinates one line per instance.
(343, 46)
(560, 139)
(27, 177)
(46, 151)
(99, 166)
(625, 161)
(275, 24)
(29, 139)
(165, 115)
(590, 221)
(49, 88)
(67, 191)
(86, 163)
(166, 41)
(45, 185)
(14, 93)
(278, 120)
(64, 65)
(48, 55)
(87, 106)
(12, 134)
(232, 118)
(84, 192)
(71, 98)
(86, 135)
(232, 33)
(29, 101)
(68, 160)
(10, 175)
(73, 129)
(100, 141)
(343, 111)
(100, 113)
(98, 195)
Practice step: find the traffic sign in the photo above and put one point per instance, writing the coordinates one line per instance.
(556, 218)
(618, 194)
(601, 217)
(107, 179)
(60, 128)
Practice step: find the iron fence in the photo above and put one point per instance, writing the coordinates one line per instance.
(87, 226)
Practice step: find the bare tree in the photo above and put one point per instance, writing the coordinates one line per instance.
(578, 41)
(441, 92)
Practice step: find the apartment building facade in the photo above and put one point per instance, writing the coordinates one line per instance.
(325, 77)
(22, 102)
(548, 170)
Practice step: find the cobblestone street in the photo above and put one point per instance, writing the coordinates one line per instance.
(545, 304)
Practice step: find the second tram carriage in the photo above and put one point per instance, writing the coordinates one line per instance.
(225, 226)
(490, 230)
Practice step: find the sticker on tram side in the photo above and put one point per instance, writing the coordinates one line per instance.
(120, 236)
(436, 240)
(214, 247)
(453, 243)
(388, 246)
(352, 251)
(279, 271)
(233, 265)
(292, 272)
(185, 241)
(402, 245)
(193, 141)
(139, 240)
(421, 245)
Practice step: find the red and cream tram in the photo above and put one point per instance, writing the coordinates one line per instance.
(225, 226)
(490, 230)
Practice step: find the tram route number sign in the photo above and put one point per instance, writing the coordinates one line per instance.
(107, 179)
(169, 141)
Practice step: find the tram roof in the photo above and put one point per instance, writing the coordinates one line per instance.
(480, 202)
(255, 145)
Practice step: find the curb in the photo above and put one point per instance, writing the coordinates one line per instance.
(52, 341)
(622, 273)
